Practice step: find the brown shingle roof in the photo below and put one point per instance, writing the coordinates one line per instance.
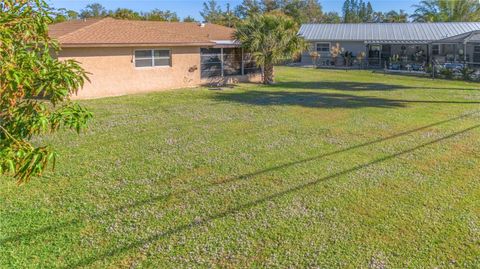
(112, 32)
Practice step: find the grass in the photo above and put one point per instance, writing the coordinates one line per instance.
(324, 169)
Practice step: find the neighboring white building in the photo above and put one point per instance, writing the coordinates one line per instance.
(380, 44)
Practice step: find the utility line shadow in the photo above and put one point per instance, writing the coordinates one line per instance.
(436, 102)
(61, 225)
(234, 210)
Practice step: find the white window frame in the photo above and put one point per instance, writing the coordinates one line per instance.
(323, 43)
(153, 58)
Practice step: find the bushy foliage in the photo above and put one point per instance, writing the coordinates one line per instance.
(270, 38)
(447, 11)
(35, 88)
(467, 73)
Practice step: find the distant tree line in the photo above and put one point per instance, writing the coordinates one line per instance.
(302, 11)
(97, 10)
(353, 11)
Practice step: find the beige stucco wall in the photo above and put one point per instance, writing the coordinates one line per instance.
(112, 71)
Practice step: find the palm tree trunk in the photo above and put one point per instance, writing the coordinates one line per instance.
(268, 74)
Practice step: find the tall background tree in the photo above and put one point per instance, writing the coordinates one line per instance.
(248, 8)
(189, 19)
(212, 12)
(62, 14)
(35, 88)
(270, 38)
(331, 17)
(356, 11)
(94, 10)
(302, 11)
(397, 17)
(446, 11)
(271, 5)
(160, 15)
(125, 14)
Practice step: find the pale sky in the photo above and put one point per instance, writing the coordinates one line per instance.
(192, 7)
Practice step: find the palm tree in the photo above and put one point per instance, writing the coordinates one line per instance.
(270, 38)
(446, 11)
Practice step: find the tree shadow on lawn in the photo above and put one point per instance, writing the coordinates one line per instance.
(305, 99)
(318, 99)
(355, 86)
(248, 176)
(198, 223)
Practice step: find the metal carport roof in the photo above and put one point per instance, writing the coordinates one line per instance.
(386, 32)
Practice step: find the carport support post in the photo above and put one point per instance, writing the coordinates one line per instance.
(430, 56)
(455, 52)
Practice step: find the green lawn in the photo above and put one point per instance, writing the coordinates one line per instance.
(324, 169)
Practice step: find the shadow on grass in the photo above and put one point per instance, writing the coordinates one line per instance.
(340, 86)
(113, 252)
(354, 86)
(65, 224)
(306, 99)
(319, 99)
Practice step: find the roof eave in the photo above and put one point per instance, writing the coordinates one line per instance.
(118, 45)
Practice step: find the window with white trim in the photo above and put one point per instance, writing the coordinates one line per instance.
(152, 58)
(323, 47)
(435, 49)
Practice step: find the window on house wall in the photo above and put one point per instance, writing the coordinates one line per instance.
(152, 58)
(323, 47)
(435, 49)
(211, 62)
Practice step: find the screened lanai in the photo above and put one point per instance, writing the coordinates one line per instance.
(463, 48)
(226, 61)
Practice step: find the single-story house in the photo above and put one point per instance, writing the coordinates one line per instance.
(125, 57)
(392, 45)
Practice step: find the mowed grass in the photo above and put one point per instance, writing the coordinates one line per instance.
(324, 169)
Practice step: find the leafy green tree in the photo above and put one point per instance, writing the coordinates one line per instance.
(125, 14)
(394, 16)
(271, 5)
(378, 17)
(313, 11)
(248, 8)
(229, 18)
(303, 11)
(35, 88)
(369, 13)
(331, 17)
(347, 12)
(189, 19)
(160, 15)
(62, 15)
(270, 38)
(357, 11)
(94, 10)
(212, 12)
(446, 11)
